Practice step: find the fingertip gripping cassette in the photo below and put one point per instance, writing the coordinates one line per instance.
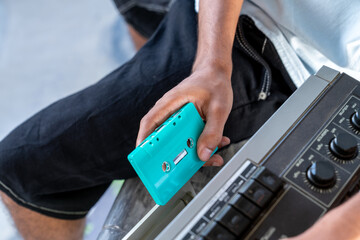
(168, 158)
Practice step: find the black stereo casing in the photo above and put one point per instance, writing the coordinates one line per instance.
(303, 162)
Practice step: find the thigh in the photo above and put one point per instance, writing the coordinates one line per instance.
(61, 160)
(143, 15)
(249, 112)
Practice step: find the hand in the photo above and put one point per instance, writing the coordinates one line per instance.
(209, 89)
(343, 222)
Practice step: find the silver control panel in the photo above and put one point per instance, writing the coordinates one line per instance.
(304, 161)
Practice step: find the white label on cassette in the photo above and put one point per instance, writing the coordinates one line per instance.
(180, 156)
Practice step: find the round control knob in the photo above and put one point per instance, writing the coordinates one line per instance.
(321, 174)
(344, 146)
(355, 120)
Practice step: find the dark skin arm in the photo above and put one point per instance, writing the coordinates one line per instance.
(209, 88)
(341, 223)
(209, 85)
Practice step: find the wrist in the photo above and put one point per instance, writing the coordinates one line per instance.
(219, 65)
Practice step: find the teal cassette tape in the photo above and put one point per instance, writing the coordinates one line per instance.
(168, 158)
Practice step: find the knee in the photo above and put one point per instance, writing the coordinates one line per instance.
(8, 202)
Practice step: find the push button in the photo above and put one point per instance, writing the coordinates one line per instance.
(233, 220)
(214, 231)
(256, 193)
(268, 179)
(190, 236)
(245, 206)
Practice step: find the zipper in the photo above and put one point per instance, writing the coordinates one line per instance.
(266, 83)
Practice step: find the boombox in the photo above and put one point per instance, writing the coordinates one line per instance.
(301, 163)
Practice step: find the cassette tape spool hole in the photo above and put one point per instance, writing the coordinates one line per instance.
(190, 143)
(165, 167)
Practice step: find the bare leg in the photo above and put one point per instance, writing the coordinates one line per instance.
(33, 225)
(137, 38)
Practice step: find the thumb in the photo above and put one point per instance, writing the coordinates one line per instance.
(211, 136)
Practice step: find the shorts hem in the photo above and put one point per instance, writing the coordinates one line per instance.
(67, 215)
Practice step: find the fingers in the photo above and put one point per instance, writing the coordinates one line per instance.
(157, 115)
(211, 136)
(216, 159)
(224, 142)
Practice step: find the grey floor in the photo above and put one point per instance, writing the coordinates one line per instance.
(48, 50)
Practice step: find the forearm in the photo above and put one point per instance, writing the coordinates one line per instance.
(217, 26)
(209, 85)
(342, 222)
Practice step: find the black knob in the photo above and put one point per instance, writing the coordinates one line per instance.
(344, 146)
(321, 174)
(355, 120)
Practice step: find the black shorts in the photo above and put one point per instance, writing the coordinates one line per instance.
(144, 15)
(61, 160)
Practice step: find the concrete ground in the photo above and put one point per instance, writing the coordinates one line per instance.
(48, 50)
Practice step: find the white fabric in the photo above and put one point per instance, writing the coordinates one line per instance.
(308, 34)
